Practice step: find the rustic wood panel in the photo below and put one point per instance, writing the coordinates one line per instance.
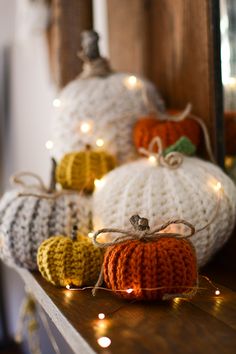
(208, 322)
(129, 34)
(69, 19)
(176, 44)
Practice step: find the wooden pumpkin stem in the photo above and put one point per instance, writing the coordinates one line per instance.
(52, 185)
(74, 233)
(140, 224)
(87, 147)
(94, 63)
(89, 44)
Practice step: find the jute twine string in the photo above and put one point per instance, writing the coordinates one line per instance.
(99, 67)
(172, 160)
(39, 190)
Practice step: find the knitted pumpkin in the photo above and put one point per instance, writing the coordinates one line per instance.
(100, 105)
(183, 187)
(29, 215)
(78, 170)
(168, 130)
(149, 265)
(67, 261)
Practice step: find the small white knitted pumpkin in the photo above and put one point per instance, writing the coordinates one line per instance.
(100, 106)
(27, 219)
(159, 193)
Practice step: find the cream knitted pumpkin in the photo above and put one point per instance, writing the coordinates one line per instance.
(100, 105)
(159, 193)
(27, 219)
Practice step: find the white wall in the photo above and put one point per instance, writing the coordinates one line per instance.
(31, 96)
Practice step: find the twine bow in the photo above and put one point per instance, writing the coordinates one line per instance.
(141, 231)
(35, 190)
(172, 160)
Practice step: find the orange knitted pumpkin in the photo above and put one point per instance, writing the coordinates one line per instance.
(149, 265)
(169, 131)
(169, 263)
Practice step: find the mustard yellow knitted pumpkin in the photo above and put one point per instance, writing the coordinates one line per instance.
(69, 261)
(78, 170)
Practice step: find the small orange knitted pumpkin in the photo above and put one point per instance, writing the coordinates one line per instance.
(169, 131)
(150, 268)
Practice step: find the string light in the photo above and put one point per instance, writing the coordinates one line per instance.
(85, 127)
(218, 186)
(90, 234)
(129, 291)
(104, 342)
(229, 161)
(131, 82)
(101, 316)
(152, 159)
(217, 292)
(98, 183)
(68, 286)
(56, 103)
(99, 142)
(49, 145)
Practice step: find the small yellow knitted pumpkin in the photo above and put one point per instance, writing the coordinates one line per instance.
(78, 170)
(69, 261)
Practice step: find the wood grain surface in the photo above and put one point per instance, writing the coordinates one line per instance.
(176, 44)
(69, 19)
(205, 324)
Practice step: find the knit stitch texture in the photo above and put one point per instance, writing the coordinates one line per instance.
(160, 194)
(26, 221)
(110, 107)
(149, 127)
(168, 264)
(78, 170)
(62, 261)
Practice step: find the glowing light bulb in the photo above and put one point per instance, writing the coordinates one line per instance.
(217, 292)
(98, 183)
(90, 234)
(104, 342)
(131, 82)
(99, 142)
(218, 186)
(85, 127)
(152, 159)
(49, 145)
(68, 286)
(129, 291)
(101, 316)
(56, 103)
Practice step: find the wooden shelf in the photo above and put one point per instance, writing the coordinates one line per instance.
(206, 324)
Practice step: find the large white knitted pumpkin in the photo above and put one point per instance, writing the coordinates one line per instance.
(100, 105)
(27, 219)
(159, 193)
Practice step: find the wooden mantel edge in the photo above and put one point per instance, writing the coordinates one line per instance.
(77, 343)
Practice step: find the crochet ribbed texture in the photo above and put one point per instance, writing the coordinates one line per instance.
(62, 261)
(78, 170)
(160, 194)
(169, 263)
(27, 221)
(109, 106)
(169, 131)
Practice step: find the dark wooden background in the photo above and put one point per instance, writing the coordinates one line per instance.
(176, 44)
